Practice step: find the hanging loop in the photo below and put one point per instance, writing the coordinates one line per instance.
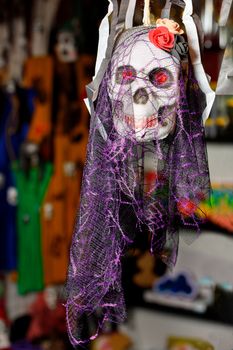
(166, 10)
(225, 12)
(195, 55)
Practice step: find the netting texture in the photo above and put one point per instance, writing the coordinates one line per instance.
(147, 115)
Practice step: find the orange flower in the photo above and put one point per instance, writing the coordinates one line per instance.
(171, 25)
(162, 38)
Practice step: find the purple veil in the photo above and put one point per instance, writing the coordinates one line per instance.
(115, 207)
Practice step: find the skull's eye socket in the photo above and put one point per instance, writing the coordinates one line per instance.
(125, 75)
(160, 77)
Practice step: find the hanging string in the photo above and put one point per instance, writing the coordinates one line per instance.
(146, 14)
(225, 12)
(195, 55)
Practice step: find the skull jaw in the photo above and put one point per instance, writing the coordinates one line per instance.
(146, 128)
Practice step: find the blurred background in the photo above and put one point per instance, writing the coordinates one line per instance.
(47, 57)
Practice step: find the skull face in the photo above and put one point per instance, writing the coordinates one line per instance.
(143, 89)
(65, 48)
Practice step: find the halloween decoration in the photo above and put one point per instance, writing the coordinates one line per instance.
(66, 46)
(32, 179)
(176, 343)
(149, 103)
(39, 70)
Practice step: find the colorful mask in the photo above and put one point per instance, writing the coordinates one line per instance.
(66, 47)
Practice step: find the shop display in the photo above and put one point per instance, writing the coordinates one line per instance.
(143, 103)
(43, 122)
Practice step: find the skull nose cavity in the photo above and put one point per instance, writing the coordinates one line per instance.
(140, 96)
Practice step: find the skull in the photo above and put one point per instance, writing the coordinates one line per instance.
(143, 88)
(65, 47)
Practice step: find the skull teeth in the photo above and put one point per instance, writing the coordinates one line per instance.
(151, 121)
(144, 122)
(129, 119)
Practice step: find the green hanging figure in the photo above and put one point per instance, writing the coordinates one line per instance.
(32, 182)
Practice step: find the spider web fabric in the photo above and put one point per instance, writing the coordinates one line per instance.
(117, 203)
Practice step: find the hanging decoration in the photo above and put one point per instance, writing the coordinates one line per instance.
(149, 99)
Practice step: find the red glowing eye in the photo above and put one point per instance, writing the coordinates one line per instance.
(160, 78)
(127, 74)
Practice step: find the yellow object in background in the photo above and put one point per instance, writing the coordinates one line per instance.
(112, 341)
(178, 343)
(222, 121)
(145, 276)
(230, 102)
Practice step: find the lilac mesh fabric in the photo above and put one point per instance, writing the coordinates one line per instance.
(115, 205)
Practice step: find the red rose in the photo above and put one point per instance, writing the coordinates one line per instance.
(186, 207)
(162, 38)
